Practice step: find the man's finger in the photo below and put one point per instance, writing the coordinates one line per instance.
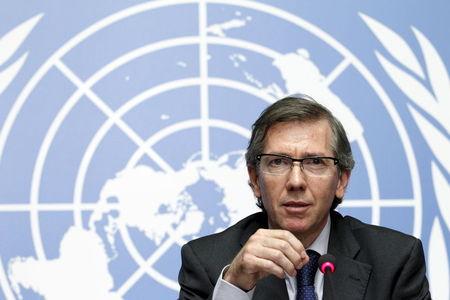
(284, 241)
(277, 248)
(278, 257)
(265, 267)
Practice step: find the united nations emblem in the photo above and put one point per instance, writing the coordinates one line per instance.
(138, 138)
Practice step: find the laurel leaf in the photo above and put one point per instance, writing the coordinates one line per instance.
(10, 73)
(409, 85)
(438, 142)
(437, 73)
(12, 40)
(442, 191)
(394, 44)
(438, 268)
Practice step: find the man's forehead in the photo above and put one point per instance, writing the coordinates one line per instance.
(319, 124)
(299, 133)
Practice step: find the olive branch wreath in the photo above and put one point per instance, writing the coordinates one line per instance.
(429, 92)
(9, 44)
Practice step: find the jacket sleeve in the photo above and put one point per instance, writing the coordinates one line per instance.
(193, 278)
(412, 281)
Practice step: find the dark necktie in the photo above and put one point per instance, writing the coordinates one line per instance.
(305, 277)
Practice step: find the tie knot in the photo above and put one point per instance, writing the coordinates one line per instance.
(305, 276)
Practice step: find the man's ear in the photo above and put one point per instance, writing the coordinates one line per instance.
(342, 184)
(253, 181)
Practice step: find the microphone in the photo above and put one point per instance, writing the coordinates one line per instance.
(327, 267)
(326, 263)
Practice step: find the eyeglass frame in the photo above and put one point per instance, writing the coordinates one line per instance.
(300, 160)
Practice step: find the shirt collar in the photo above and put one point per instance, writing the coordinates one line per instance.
(320, 244)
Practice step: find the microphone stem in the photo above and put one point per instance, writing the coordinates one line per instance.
(332, 295)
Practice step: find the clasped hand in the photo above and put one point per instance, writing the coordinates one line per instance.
(267, 251)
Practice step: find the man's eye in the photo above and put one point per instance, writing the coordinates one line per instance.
(314, 161)
(277, 162)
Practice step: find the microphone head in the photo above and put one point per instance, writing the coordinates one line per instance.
(326, 263)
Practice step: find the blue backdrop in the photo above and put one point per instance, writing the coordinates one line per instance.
(123, 125)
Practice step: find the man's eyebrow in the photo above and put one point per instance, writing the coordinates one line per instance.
(307, 154)
(313, 154)
(278, 153)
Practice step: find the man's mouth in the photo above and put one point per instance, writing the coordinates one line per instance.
(296, 206)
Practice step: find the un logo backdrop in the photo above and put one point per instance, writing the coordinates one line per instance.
(124, 123)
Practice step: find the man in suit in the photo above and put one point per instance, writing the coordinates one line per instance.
(299, 163)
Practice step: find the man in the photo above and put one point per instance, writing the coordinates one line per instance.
(299, 163)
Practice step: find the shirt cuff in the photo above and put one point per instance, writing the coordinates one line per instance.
(226, 291)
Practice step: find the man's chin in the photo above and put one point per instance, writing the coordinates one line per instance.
(297, 227)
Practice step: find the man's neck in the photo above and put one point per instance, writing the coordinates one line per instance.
(320, 236)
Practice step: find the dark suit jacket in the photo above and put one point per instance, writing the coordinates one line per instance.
(372, 262)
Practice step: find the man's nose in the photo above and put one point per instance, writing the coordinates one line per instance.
(296, 180)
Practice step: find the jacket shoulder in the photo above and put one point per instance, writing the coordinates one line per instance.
(360, 229)
(378, 241)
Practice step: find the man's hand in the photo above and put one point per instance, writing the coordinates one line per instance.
(267, 251)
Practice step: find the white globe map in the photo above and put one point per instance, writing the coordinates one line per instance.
(165, 207)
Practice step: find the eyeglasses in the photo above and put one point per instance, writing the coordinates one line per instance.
(316, 166)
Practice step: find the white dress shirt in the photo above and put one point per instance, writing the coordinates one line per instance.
(225, 290)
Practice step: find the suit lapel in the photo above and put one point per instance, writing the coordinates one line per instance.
(351, 276)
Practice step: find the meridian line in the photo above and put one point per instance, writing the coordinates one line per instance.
(204, 96)
(337, 71)
(103, 107)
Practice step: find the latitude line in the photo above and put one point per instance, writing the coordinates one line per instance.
(336, 72)
(204, 92)
(379, 202)
(348, 203)
(41, 207)
(107, 111)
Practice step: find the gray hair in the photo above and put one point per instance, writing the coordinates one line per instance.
(303, 108)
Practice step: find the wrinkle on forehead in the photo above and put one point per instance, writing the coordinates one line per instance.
(299, 138)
